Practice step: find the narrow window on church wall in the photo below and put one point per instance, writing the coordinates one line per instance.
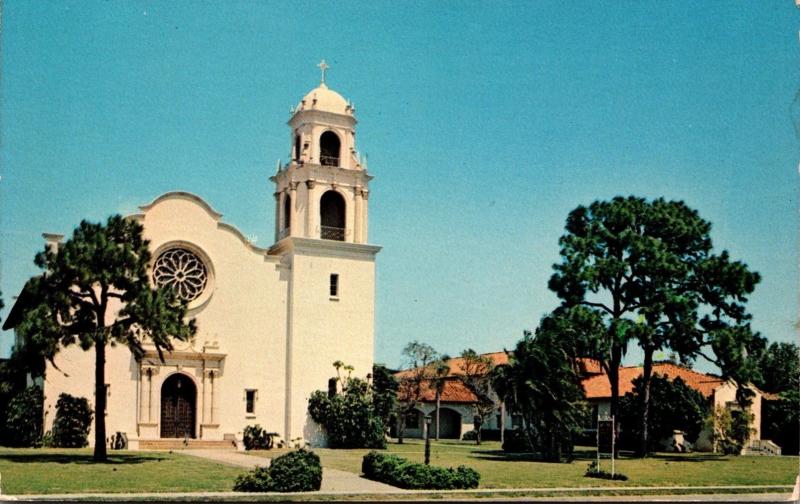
(334, 285)
(250, 399)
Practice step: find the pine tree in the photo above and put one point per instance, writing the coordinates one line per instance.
(94, 291)
(648, 271)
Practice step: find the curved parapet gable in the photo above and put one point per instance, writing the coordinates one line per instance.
(183, 195)
(216, 216)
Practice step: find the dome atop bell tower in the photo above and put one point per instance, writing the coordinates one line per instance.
(324, 99)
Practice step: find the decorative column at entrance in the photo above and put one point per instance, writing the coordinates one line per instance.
(208, 417)
(148, 424)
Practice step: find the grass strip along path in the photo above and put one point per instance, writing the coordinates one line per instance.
(57, 471)
(503, 470)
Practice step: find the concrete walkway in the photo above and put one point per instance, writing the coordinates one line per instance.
(333, 480)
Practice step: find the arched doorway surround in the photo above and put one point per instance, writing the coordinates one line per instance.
(178, 407)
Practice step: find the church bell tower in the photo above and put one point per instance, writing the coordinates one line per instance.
(321, 199)
(323, 192)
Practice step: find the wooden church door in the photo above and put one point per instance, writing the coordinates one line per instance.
(178, 400)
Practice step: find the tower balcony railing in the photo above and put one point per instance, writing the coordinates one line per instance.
(332, 233)
(329, 161)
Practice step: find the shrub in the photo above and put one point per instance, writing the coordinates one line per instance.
(515, 441)
(256, 438)
(403, 473)
(780, 420)
(595, 472)
(350, 418)
(257, 480)
(296, 471)
(72, 422)
(673, 406)
(731, 429)
(24, 421)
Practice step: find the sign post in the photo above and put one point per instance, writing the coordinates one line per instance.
(605, 440)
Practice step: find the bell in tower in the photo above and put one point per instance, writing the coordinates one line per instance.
(322, 192)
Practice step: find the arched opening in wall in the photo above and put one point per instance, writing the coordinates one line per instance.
(329, 145)
(178, 407)
(331, 216)
(449, 424)
(297, 148)
(287, 212)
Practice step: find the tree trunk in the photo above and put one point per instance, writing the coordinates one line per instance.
(100, 453)
(646, 374)
(613, 377)
(401, 426)
(438, 404)
(502, 423)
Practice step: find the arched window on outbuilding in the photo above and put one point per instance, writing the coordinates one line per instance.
(331, 216)
(329, 146)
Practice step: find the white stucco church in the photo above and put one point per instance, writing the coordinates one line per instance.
(271, 321)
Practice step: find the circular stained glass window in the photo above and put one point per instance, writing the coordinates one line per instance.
(182, 270)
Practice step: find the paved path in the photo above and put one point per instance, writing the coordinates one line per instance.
(333, 480)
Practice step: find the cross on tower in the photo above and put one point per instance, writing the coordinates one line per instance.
(323, 66)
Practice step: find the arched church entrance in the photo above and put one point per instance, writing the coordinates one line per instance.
(331, 214)
(178, 406)
(449, 424)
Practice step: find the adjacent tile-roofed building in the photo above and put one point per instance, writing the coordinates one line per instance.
(454, 390)
(598, 387)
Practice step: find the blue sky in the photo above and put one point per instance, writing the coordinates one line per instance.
(485, 124)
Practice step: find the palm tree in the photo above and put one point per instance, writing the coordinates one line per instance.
(441, 369)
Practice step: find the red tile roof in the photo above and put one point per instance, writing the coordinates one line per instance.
(454, 391)
(457, 364)
(588, 366)
(598, 387)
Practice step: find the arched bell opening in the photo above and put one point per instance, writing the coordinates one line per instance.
(332, 216)
(329, 147)
(287, 212)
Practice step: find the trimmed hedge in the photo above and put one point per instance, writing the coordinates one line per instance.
(296, 471)
(403, 473)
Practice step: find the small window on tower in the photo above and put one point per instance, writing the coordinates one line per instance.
(334, 285)
(250, 399)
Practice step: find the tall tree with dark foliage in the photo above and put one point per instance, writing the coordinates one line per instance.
(94, 291)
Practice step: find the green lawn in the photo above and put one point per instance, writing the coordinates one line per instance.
(52, 471)
(499, 470)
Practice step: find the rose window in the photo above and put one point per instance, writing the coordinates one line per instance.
(183, 271)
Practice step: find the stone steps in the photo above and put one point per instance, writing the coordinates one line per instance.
(189, 444)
